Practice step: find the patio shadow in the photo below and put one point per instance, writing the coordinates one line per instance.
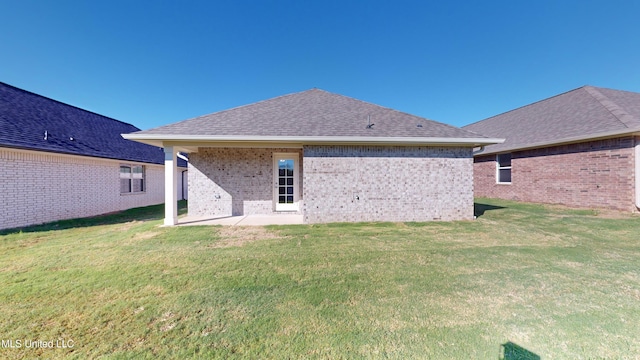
(511, 351)
(479, 209)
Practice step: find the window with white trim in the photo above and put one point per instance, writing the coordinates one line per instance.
(132, 179)
(503, 168)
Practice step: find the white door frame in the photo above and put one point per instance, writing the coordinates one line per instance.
(296, 187)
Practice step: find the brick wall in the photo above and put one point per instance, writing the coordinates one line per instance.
(40, 187)
(387, 183)
(233, 181)
(594, 174)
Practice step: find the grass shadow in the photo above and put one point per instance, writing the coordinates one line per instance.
(479, 209)
(511, 351)
(147, 213)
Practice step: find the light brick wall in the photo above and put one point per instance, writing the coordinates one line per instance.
(233, 181)
(594, 174)
(387, 183)
(40, 187)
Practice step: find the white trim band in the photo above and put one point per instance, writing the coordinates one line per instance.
(159, 140)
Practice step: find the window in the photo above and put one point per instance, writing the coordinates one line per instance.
(503, 173)
(131, 179)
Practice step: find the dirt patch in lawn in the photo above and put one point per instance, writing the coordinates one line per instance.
(240, 235)
(146, 235)
(137, 237)
(615, 214)
(563, 212)
(128, 225)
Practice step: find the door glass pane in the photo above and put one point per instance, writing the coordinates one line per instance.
(285, 182)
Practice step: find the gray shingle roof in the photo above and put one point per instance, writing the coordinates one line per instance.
(583, 113)
(312, 113)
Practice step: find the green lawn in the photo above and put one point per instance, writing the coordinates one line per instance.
(549, 282)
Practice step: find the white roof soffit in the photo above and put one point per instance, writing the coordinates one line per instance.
(202, 140)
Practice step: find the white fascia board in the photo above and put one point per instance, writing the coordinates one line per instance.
(186, 140)
(564, 141)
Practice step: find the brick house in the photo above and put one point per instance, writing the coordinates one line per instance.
(580, 148)
(325, 156)
(60, 162)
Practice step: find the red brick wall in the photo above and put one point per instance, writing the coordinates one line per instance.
(595, 174)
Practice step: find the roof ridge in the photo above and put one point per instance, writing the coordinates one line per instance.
(628, 120)
(65, 104)
(242, 106)
(527, 105)
(395, 110)
(372, 104)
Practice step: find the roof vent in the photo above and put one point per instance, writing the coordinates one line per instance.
(46, 134)
(369, 125)
(419, 125)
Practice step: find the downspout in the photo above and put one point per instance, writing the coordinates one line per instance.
(637, 172)
(473, 153)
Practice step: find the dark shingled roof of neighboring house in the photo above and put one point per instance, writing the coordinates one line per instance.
(584, 113)
(25, 117)
(312, 113)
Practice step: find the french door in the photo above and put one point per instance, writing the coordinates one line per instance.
(285, 178)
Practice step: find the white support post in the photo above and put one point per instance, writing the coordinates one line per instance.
(170, 186)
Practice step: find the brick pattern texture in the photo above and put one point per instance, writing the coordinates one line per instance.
(594, 174)
(40, 187)
(233, 181)
(387, 183)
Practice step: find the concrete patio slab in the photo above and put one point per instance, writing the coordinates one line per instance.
(244, 220)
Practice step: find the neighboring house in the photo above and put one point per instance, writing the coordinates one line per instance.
(325, 156)
(59, 162)
(580, 148)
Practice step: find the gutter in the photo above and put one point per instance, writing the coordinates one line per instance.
(160, 139)
(563, 141)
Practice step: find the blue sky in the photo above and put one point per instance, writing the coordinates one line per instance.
(150, 63)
